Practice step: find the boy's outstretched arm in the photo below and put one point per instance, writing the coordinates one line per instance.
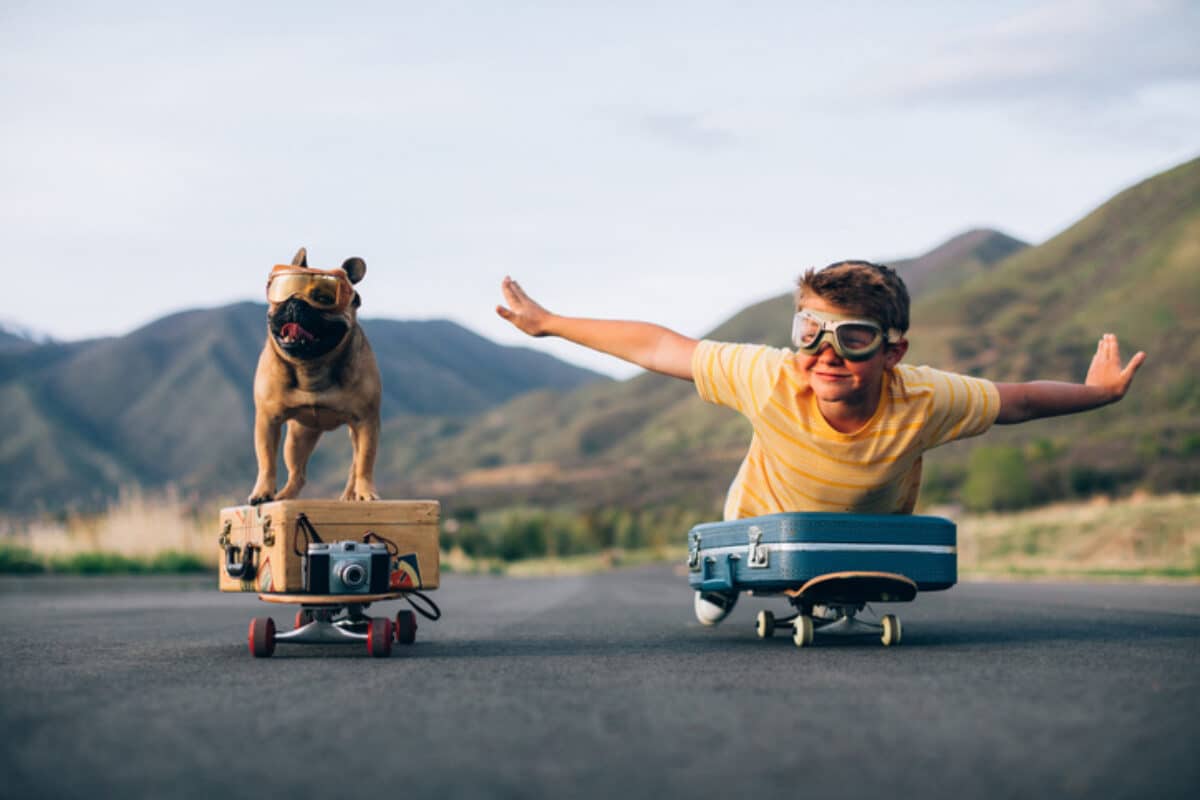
(1106, 382)
(650, 346)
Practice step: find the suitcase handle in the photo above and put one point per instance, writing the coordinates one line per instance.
(721, 571)
(243, 570)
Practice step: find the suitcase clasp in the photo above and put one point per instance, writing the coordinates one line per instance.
(268, 536)
(694, 554)
(759, 556)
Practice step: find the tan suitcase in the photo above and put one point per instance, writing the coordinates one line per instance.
(263, 546)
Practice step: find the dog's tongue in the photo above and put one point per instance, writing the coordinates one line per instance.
(292, 331)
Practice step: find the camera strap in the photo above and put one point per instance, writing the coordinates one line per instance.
(433, 612)
(392, 548)
(310, 534)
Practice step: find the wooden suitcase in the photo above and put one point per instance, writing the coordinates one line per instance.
(263, 546)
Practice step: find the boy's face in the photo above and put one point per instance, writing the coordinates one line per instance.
(838, 380)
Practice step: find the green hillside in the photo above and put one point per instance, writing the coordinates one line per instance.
(1131, 267)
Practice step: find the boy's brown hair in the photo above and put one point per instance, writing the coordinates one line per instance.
(873, 290)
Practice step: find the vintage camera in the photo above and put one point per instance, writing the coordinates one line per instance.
(346, 567)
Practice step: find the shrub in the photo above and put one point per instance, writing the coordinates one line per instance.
(16, 560)
(997, 480)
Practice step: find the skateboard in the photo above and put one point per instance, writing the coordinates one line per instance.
(831, 603)
(341, 619)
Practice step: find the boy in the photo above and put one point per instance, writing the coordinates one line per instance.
(839, 424)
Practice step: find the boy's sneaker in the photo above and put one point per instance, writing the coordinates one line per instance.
(712, 607)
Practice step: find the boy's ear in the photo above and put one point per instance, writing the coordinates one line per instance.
(894, 352)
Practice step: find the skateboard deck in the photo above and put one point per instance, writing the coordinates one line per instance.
(326, 599)
(853, 588)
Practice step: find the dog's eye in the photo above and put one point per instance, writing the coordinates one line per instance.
(324, 298)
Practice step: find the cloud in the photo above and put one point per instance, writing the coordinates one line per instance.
(1078, 52)
(691, 131)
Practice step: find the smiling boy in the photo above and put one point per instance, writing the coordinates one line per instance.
(839, 423)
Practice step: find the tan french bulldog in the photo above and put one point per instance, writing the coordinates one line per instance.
(316, 372)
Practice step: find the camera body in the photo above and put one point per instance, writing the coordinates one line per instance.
(346, 567)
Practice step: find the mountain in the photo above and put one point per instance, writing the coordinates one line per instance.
(14, 339)
(956, 260)
(171, 402)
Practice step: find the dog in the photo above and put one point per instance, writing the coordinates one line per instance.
(316, 372)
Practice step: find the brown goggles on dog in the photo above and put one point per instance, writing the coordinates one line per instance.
(329, 290)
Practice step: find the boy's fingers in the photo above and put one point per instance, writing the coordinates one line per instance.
(512, 291)
(1134, 364)
(504, 312)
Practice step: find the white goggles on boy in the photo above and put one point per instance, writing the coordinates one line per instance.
(851, 338)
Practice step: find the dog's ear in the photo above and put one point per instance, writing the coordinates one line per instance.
(354, 268)
(301, 259)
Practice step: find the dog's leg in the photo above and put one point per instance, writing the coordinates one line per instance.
(266, 449)
(361, 484)
(298, 446)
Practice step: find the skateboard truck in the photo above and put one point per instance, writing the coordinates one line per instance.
(831, 603)
(340, 619)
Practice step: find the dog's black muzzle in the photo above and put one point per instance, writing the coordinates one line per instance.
(304, 332)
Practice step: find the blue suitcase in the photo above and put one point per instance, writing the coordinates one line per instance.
(830, 566)
(778, 552)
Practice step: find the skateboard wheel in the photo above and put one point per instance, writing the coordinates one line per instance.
(262, 637)
(406, 627)
(379, 637)
(764, 625)
(891, 630)
(303, 617)
(802, 631)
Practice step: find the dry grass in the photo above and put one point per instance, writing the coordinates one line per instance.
(1150, 536)
(136, 526)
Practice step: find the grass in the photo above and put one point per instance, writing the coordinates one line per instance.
(1140, 537)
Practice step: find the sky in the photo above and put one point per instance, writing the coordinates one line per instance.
(672, 161)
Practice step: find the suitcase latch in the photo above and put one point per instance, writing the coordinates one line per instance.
(694, 554)
(759, 556)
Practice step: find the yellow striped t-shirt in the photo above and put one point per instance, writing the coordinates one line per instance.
(798, 462)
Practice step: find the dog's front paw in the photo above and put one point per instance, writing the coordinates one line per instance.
(363, 493)
(260, 495)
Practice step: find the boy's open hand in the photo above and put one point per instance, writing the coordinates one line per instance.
(1106, 371)
(522, 311)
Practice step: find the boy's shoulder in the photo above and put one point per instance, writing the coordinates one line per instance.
(941, 387)
(742, 353)
(918, 374)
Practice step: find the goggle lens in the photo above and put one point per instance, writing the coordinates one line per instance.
(322, 291)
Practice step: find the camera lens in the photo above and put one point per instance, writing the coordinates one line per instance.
(352, 574)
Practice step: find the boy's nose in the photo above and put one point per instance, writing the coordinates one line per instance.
(825, 352)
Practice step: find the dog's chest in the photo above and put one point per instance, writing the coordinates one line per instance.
(318, 416)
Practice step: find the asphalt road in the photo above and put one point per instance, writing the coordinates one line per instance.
(599, 686)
